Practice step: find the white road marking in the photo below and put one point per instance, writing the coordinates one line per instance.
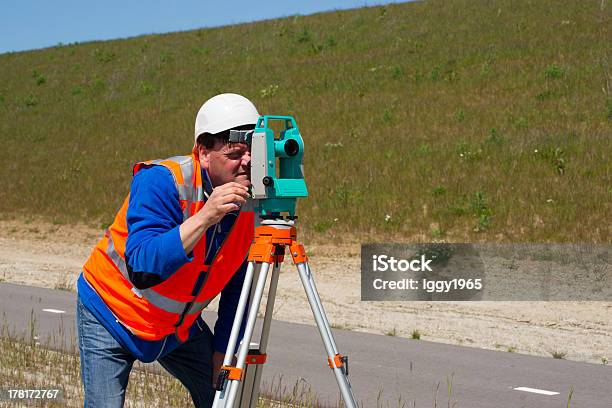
(54, 311)
(536, 391)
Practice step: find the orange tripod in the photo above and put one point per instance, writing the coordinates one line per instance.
(238, 386)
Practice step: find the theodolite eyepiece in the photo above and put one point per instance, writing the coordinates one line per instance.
(241, 136)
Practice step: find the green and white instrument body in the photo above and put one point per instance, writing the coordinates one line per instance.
(277, 172)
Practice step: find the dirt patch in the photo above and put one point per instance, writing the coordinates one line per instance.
(42, 254)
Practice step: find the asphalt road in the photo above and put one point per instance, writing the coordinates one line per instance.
(383, 369)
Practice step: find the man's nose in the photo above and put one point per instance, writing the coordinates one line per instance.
(246, 158)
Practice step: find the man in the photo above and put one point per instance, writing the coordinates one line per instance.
(178, 241)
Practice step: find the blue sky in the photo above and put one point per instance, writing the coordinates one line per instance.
(31, 24)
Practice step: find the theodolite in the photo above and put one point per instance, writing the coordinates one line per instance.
(277, 181)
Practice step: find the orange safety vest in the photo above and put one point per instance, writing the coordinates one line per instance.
(170, 306)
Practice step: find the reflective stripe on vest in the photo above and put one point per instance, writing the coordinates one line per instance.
(186, 191)
(160, 301)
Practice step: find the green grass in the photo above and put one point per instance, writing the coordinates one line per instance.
(558, 354)
(392, 333)
(456, 120)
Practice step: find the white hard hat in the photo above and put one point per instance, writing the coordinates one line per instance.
(223, 112)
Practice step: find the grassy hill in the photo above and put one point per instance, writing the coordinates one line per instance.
(458, 120)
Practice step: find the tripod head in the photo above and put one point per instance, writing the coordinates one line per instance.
(277, 172)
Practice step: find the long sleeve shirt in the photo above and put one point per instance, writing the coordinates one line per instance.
(154, 251)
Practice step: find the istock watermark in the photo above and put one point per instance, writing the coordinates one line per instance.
(468, 272)
(382, 263)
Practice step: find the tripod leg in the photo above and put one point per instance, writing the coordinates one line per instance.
(219, 400)
(265, 333)
(242, 302)
(246, 385)
(248, 396)
(227, 396)
(320, 304)
(326, 335)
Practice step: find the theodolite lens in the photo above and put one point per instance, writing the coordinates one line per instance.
(291, 147)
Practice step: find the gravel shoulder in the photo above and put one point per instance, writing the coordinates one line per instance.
(42, 254)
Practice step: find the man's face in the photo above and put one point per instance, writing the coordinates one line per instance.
(227, 162)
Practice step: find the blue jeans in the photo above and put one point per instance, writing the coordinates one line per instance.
(106, 365)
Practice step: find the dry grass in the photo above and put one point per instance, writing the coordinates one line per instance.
(24, 364)
(27, 364)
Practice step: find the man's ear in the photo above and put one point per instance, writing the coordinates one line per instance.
(204, 155)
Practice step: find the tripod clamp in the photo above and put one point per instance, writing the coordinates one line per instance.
(235, 373)
(340, 362)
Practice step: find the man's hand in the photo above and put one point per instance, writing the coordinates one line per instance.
(225, 198)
